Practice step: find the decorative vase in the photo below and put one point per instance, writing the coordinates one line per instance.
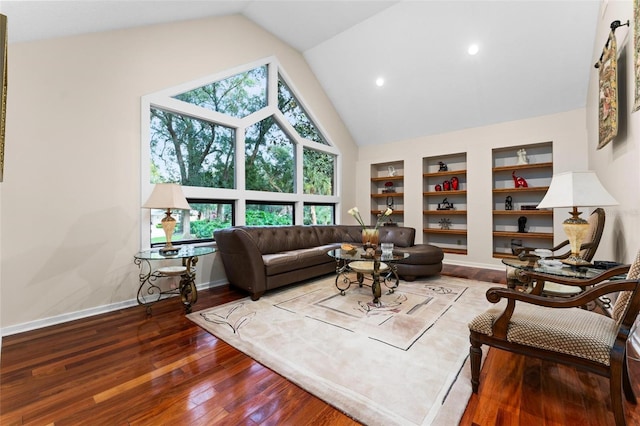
(370, 237)
(446, 185)
(438, 187)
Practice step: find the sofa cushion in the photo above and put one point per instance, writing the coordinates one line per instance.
(278, 263)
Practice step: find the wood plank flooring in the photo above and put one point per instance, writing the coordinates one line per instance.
(123, 368)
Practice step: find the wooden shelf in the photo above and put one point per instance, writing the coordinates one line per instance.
(445, 231)
(377, 212)
(444, 212)
(454, 251)
(447, 173)
(524, 235)
(388, 194)
(512, 190)
(386, 178)
(434, 193)
(523, 212)
(499, 169)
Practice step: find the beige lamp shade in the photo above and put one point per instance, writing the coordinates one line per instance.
(167, 196)
(576, 189)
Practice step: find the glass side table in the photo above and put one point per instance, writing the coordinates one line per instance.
(150, 292)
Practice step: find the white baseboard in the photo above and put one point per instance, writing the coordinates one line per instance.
(85, 313)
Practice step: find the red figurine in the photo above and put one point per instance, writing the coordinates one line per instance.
(455, 184)
(446, 185)
(438, 187)
(519, 181)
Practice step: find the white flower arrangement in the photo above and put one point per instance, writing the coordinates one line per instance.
(356, 214)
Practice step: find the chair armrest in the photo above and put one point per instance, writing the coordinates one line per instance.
(501, 325)
(494, 295)
(525, 252)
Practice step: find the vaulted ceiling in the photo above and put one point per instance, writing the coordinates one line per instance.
(534, 57)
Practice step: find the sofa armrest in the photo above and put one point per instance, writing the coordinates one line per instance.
(242, 260)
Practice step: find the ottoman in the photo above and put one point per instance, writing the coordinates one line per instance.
(424, 260)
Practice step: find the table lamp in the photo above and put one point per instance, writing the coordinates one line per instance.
(576, 189)
(167, 196)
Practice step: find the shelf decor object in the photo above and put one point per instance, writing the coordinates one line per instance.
(576, 189)
(445, 205)
(445, 223)
(519, 181)
(167, 196)
(522, 156)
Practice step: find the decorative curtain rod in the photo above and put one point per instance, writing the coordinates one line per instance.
(614, 26)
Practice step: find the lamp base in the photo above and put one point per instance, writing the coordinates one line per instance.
(575, 261)
(169, 251)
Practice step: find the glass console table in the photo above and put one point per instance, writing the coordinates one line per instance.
(150, 292)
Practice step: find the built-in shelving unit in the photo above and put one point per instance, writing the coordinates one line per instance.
(445, 227)
(537, 173)
(387, 190)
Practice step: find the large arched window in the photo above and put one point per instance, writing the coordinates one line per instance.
(245, 149)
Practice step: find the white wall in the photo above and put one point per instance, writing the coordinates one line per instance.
(618, 163)
(567, 131)
(70, 211)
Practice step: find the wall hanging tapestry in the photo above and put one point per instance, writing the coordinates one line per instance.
(608, 110)
(636, 52)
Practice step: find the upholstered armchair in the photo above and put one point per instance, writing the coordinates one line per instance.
(562, 251)
(556, 329)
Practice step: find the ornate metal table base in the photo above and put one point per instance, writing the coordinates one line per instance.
(150, 292)
(344, 281)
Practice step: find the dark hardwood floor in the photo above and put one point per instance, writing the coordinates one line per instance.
(123, 368)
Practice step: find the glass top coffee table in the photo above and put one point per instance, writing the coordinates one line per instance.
(380, 267)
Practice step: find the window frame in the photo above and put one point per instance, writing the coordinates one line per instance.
(239, 195)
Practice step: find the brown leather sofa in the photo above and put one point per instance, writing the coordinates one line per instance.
(261, 258)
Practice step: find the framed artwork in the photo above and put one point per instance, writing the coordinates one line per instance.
(3, 88)
(608, 92)
(636, 53)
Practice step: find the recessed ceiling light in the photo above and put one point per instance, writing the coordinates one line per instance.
(473, 49)
(379, 81)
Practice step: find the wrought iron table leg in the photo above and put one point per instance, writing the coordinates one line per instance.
(392, 274)
(147, 278)
(375, 286)
(188, 290)
(341, 271)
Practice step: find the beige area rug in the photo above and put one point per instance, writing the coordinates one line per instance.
(404, 362)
